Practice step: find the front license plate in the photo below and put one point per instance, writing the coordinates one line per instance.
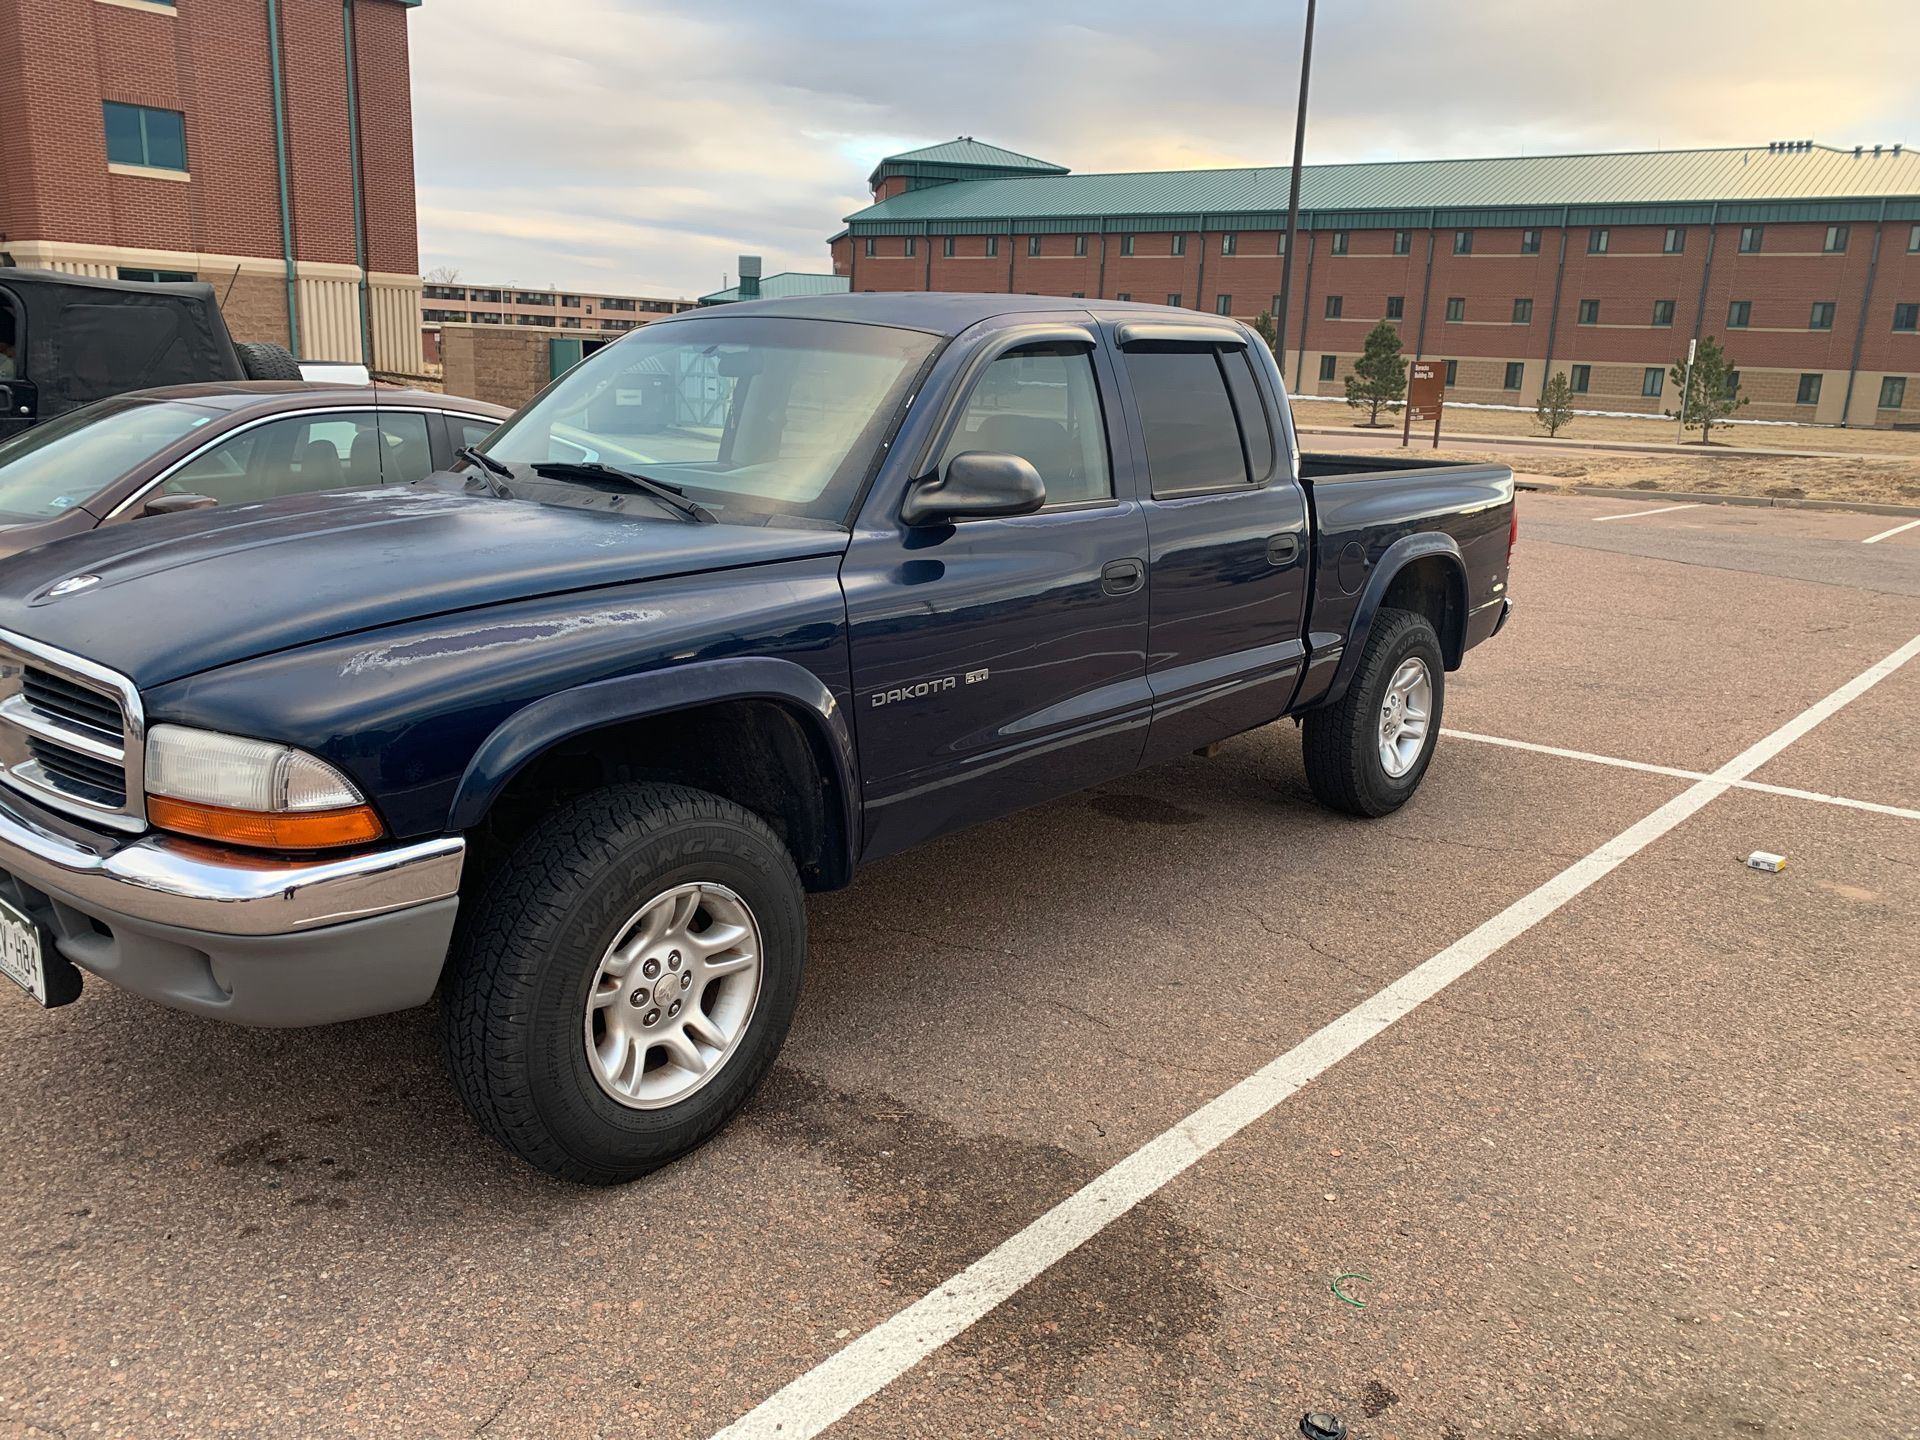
(25, 959)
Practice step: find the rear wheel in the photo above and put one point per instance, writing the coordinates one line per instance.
(1367, 754)
(263, 361)
(624, 980)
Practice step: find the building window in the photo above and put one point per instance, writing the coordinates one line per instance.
(1809, 392)
(1906, 317)
(1652, 380)
(1579, 378)
(1033, 245)
(1339, 245)
(1913, 241)
(1516, 375)
(1822, 317)
(1223, 304)
(1750, 238)
(1174, 299)
(1529, 242)
(1123, 295)
(1229, 243)
(1079, 244)
(1396, 307)
(1523, 312)
(1456, 307)
(1281, 248)
(1180, 244)
(1274, 308)
(946, 248)
(156, 277)
(993, 246)
(1738, 314)
(1329, 366)
(1334, 306)
(1589, 312)
(1126, 244)
(1402, 242)
(1676, 241)
(1663, 312)
(1597, 240)
(1453, 372)
(1463, 242)
(910, 245)
(1837, 239)
(1893, 392)
(140, 135)
(872, 245)
(1733, 383)
(1079, 294)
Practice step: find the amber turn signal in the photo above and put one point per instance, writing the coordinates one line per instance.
(287, 830)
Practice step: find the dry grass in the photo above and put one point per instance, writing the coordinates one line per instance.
(1891, 443)
(1879, 481)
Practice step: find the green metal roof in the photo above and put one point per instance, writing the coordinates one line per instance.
(968, 151)
(787, 285)
(1753, 175)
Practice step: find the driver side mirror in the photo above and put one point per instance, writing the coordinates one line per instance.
(176, 504)
(977, 485)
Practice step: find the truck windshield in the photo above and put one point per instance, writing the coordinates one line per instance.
(68, 460)
(751, 417)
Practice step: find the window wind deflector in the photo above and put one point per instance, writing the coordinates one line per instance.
(1178, 332)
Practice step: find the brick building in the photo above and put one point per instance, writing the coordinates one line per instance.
(1803, 260)
(160, 139)
(458, 303)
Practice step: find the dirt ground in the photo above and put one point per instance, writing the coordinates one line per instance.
(1787, 477)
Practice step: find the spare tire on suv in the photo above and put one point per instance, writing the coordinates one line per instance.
(263, 361)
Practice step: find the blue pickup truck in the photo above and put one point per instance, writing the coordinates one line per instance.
(740, 603)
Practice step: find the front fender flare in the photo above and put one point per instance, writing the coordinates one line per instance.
(534, 729)
(1397, 556)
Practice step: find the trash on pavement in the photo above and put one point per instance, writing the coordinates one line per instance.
(1765, 860)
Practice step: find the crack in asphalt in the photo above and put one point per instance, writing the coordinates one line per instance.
(534, 1366)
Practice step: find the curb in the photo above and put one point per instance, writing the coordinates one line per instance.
(1611, 492)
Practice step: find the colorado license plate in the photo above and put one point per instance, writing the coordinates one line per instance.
(23, 957)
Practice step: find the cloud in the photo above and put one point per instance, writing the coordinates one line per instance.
(642, 145)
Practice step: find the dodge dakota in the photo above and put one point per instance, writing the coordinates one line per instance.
(562, 737)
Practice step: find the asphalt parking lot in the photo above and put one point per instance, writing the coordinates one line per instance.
(1647, 1165)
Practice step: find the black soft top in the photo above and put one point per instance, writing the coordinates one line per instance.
(935, 313)
(85, 339)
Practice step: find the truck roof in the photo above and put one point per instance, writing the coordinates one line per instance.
(935, 313)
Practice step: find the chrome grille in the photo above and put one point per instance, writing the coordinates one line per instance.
(71, 733)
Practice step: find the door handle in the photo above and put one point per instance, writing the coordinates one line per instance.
(1282, 549)
(1123, 577)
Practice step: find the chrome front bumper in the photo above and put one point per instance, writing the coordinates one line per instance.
(246, 937)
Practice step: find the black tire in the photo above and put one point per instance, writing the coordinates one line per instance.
(1342, 741)
(528, 946)
(262, 361)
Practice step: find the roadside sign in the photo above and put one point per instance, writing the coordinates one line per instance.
(1426, 393)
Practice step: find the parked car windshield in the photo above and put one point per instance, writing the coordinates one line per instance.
(66, 461)
(751, 415)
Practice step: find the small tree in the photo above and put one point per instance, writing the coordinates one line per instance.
(1268, 329)
(442, 275)
(1555, 410)
(1379, 379)
(1712, 394)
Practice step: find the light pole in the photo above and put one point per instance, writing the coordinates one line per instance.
(1293, 193)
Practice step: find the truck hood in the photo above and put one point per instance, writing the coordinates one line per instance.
(166, 597)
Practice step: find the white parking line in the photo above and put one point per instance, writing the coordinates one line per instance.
(813, 1401)
(1889, 534)
(1636, 514)
(1787, 790)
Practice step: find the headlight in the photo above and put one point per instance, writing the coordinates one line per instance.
(250, 792)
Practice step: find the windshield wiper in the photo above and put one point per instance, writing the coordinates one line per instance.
(668, 495)
(487, 463)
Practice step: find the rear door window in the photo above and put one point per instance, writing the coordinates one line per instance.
(1186, 415)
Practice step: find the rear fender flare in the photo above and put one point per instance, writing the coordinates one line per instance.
(536, 728)
(1397, 556)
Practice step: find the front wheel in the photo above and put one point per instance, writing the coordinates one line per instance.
(624, 980)
(1366, 754)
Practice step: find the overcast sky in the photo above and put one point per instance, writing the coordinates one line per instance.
(640, 145)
